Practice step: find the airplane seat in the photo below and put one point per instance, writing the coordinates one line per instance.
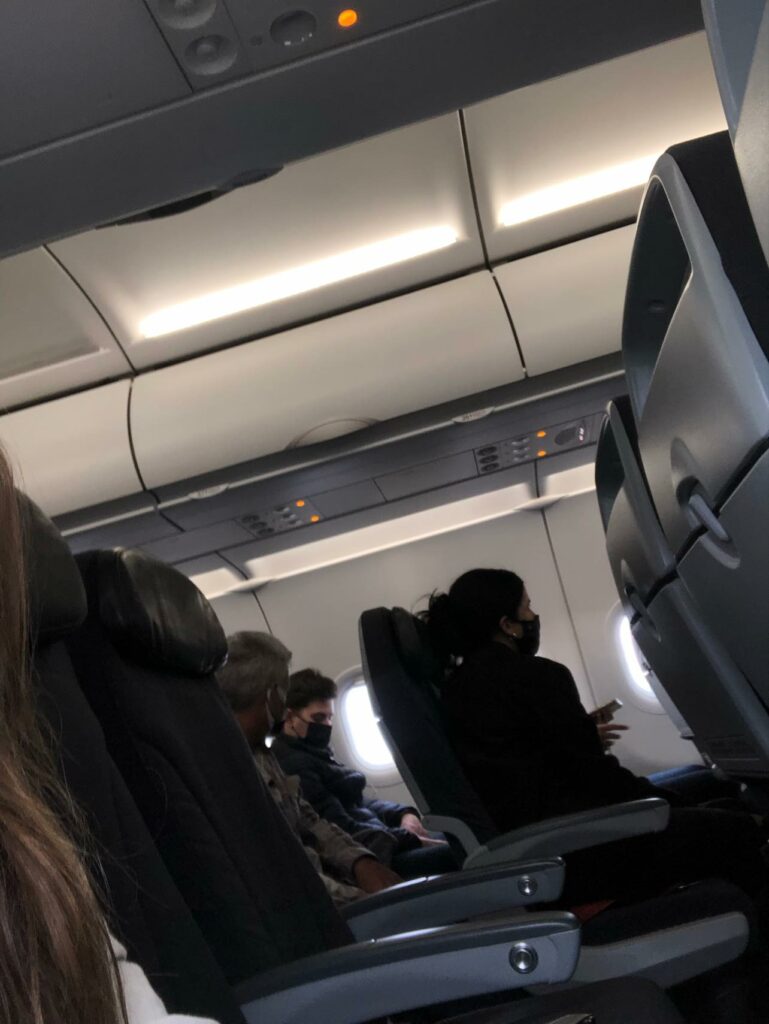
(146, 668)
(146, 657)
(696, 350)
(694, 677)
(149, 916)
(402, 673)
(223, 837)
(143, 906)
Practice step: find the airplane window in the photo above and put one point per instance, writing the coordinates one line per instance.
(368, 743)
(638, 670)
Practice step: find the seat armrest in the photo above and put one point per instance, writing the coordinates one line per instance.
(556, 837)
(668, 956)
(404, 972)
(448, 899)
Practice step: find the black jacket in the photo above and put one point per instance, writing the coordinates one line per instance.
(525, 741)
(336, 793)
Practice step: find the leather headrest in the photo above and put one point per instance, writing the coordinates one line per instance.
(414, 647)
(57, 601)
(153, 614)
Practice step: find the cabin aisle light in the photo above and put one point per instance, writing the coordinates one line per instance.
(297, 280)
(577, 191)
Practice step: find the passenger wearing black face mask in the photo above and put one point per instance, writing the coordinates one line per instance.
(392, 831)
(532, 752)
(526, 742)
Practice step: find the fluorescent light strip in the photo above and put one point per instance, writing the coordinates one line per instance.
(298, 280)
(607, 182)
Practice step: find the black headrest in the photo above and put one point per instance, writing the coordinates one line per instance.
(414, 647)
(57, 600)
(153, 614)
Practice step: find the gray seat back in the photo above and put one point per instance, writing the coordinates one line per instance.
(704, 691)
(401, 673)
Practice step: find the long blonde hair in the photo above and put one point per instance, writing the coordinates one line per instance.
(56, 965)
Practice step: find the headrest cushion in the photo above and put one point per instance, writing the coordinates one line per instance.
(57, 600)
(153, 614)
(414, 647)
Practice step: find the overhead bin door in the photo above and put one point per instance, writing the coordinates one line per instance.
(387, 214)
(572, 154)
(371, 364)
(566, 303)
(73, 452)
(51, 337)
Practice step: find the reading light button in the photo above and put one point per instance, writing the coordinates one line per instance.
(294, 29)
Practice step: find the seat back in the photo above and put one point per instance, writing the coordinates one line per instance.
(639, 555)
(146, 657)
(696, 348)
(401, 673)
(710, 697)
(144, 907)
(738, 34)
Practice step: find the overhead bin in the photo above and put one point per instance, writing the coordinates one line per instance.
(374, 363)
(73, 452)
(382, 216)
(566, 303)
(51, 337)
(149, 148)
(739, 42)
(572, 154)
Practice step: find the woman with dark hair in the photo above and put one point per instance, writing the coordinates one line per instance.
(58, 964)
(531, 750)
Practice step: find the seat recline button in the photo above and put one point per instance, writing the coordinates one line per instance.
(523, 958)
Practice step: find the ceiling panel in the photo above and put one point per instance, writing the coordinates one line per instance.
(384, 360)
(51, 338)
(550, 146)
(371, 206)
(73, 452)
(567, 303)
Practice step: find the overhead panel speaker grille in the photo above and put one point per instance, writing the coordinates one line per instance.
(217, 40)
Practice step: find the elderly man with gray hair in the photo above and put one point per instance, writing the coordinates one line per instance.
(255, 682)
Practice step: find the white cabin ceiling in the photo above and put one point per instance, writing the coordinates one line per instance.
(411, 180)
(366, 275)
(591, 121)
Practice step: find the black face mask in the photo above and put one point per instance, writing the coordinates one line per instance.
(318, 735)
(528, 644)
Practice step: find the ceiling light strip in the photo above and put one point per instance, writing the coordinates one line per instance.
(297, 281)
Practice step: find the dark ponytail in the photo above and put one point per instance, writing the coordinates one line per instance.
(468, 616)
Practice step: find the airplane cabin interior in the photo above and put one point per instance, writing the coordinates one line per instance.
(309, 310)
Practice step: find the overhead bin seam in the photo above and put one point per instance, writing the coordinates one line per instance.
(65, 270)
(131, 442)
(479, 224)
(253, 593)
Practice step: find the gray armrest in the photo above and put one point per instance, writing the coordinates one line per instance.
(558, 836)
(447, 899)
(668, 956)
(375, 979)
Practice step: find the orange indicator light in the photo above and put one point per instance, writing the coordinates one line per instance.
(300, 504)
(541, 453)
(347, 18)
(541, 433)
(314, 519)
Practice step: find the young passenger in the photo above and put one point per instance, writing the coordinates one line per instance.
(255, 681)
(394, 832)
(532, 752)
(58, 964)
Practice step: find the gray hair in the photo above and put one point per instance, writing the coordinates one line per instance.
(256, 663)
